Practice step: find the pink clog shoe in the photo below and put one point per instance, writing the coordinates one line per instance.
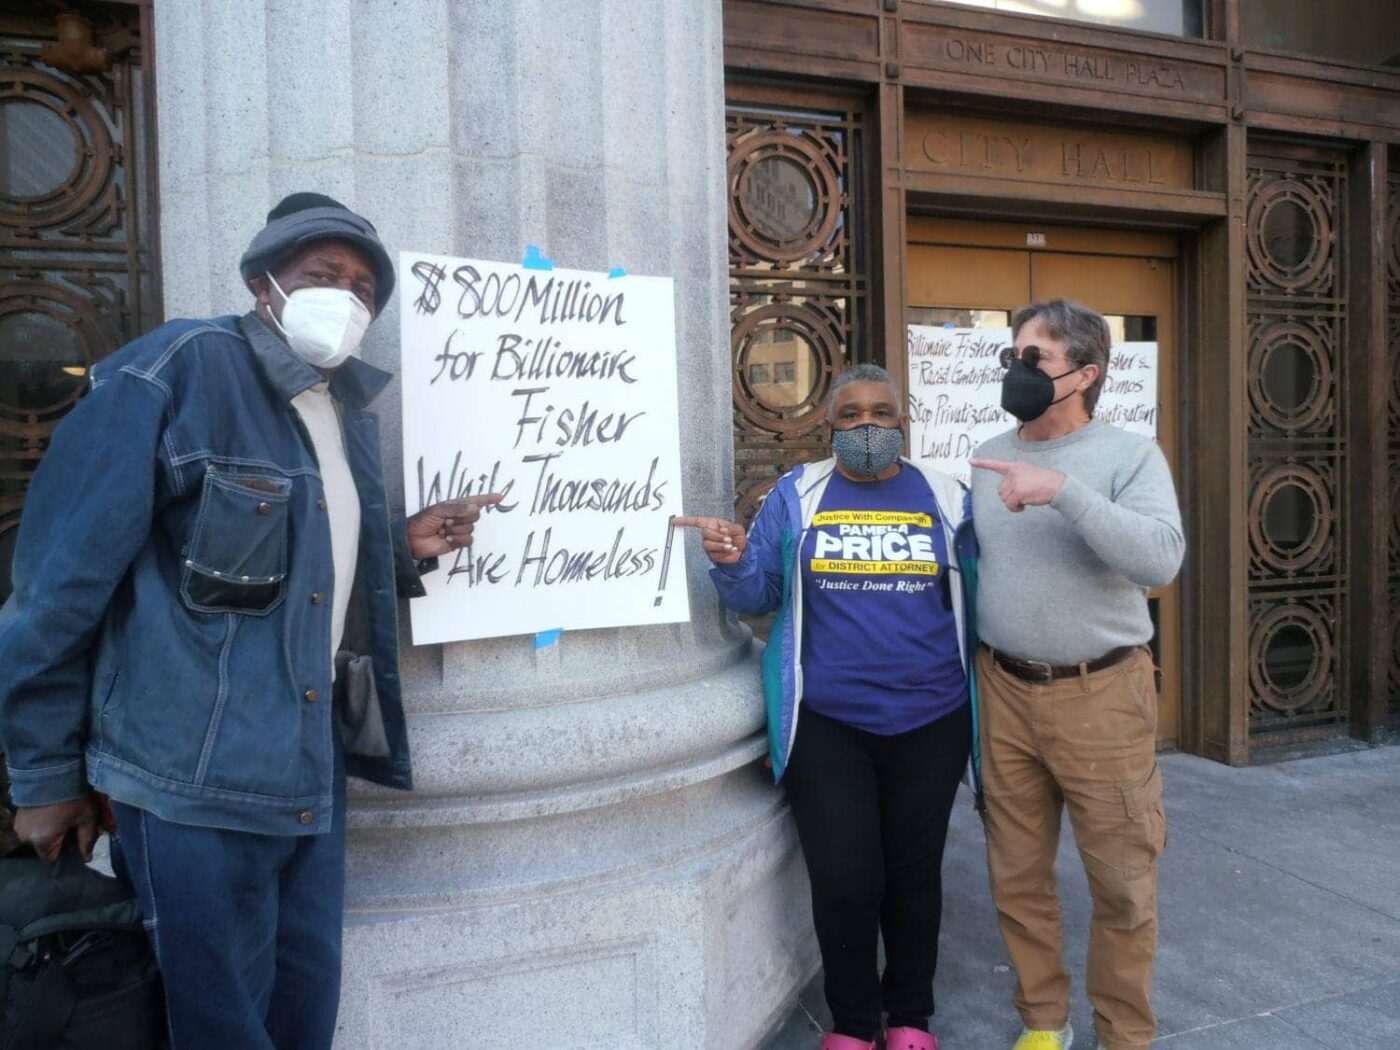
(910, 1039)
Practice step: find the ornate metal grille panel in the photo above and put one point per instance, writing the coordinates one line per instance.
(1298, 558)
(76, 243)
(1393, 436)
(797, 282)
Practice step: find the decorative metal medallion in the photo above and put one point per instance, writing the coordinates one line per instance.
(64, 160)
(784, 194)
(49, 338)
(1292, 659)
(1291, 232)
(1290, 375)
(1290, 520)
(799, 350)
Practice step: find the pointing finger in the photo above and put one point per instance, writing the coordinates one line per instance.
(1000, 466)
(464, 516)
(468, 508)
(472, 503)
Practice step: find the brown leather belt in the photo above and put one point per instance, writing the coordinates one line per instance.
(1039, 671)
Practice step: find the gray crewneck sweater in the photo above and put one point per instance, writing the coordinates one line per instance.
(1068, 582)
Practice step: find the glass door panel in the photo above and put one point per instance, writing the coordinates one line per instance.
(957, 317)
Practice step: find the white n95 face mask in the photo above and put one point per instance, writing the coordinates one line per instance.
(323, 326)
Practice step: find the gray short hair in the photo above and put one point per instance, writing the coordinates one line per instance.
(1083, 329)
(863, 373)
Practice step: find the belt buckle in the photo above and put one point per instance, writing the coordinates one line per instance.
(1040, 671)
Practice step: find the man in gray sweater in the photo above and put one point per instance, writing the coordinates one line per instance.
(1076, 521)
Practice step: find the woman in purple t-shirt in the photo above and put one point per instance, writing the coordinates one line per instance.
(857, 555)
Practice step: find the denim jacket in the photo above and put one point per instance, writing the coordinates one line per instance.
(168, 638)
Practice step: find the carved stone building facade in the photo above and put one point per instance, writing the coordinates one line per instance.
(1217, 176)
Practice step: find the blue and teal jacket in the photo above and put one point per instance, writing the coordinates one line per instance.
(768, 578)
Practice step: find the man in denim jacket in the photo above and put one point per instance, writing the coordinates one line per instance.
(207, 527)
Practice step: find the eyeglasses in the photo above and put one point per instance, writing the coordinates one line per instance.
(1030, 357)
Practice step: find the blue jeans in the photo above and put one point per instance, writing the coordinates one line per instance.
(246, 928)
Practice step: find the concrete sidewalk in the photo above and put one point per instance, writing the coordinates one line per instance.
(1280, 916)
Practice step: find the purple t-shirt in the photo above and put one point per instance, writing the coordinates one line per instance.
(879, 644)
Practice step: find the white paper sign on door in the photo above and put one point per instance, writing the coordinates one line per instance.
(955, 392)
(556, 388)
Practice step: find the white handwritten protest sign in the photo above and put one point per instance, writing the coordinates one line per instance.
(557, 389)
(955, 392)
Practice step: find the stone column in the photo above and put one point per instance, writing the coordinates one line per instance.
(594, 855)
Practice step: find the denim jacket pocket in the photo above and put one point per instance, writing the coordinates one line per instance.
(357, 707)
(237, 557)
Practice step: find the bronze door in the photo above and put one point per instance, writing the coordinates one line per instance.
(798, 289)
(77, 242)
(1299, 557)
(977, 273)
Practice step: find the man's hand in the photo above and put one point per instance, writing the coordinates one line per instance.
(444, 527)
(1023, 484)
(724, 541)
(47, 827)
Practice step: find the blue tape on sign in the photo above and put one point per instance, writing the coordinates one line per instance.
(617, 271)
(544, 639)
(949, 324)
(534, 260)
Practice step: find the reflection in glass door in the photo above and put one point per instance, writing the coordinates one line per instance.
(957, 317)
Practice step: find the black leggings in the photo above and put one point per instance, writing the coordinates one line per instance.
(872, 814)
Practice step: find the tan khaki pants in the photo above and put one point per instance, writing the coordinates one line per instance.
(1090, 743)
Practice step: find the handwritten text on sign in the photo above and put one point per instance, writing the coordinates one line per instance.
(556, 388)
(955, 392)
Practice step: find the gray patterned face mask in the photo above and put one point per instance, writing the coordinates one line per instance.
(867, 449)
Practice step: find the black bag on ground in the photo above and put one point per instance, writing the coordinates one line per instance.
(76, 969)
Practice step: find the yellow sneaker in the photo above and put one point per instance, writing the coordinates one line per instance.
(1044, 1039)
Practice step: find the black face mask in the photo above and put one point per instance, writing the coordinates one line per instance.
(1027, 392)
